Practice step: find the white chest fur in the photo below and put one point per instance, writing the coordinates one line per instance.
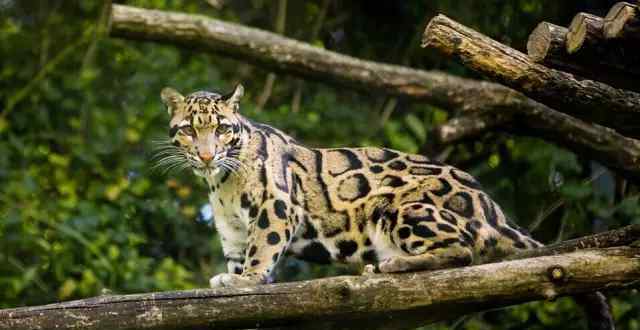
(230, 219)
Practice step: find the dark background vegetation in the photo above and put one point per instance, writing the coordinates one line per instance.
(83, 213)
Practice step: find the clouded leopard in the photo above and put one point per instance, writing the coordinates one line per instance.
(272, 195)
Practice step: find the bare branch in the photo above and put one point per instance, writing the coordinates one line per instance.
(371, 301)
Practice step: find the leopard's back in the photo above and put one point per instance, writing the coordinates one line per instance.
(380, 203)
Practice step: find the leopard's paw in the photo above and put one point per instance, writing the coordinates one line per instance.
(394, 265)
(231, 280)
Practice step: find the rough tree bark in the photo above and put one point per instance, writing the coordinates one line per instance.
(370, 301)
(546, 45)
(586, 99)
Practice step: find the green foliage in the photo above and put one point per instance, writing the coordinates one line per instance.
(83, 213)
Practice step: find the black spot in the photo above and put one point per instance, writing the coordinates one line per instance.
(386, 155)
(273, 238)
(245, 203)
(404, 232)
(369, 256)
(376, 169)
(310, 232)
(417, 244)
(225, 176)
(446, 228)
(346, 248)
(463, 198)
(253, 211)
(252, 251)
(263, 221)
(444, 243)
(392, 181)
(287, 234)
(397, 165)
(423, 231)
(448, 217)
(416, 206)
(255, 262)
(465, 179)
(367, 242)
(445, 189)
(316, 252)
(280, 209)
(237, 270)
(275, 257)
(332, 232)
(173, 131)
(414, 220)
(420, 170)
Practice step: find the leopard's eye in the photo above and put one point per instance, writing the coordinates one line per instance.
(222, 129)
(188, 130)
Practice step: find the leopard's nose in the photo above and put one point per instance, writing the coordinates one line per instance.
(205, 156)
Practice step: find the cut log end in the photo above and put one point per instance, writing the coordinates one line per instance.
(543, 38)
(622, 22)
(583, 27)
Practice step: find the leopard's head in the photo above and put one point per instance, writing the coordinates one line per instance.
(205, 131)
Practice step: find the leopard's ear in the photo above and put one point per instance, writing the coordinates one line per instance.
(233, 99)
(172, 99)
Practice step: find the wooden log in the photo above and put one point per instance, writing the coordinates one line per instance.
(369, 302)
(584, 29)
(285, 55)
(586, 99)
(546, 45)
(606, 56)
(622, 22)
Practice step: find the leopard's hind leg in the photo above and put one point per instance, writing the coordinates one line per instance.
(430, 239)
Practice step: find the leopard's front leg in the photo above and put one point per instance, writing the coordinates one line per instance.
(269, 236)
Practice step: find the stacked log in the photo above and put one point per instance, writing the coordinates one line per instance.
(593, 47)
(590, 71)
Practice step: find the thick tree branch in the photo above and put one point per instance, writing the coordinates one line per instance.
(587, 99)
(371, 301)
(302, 59)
